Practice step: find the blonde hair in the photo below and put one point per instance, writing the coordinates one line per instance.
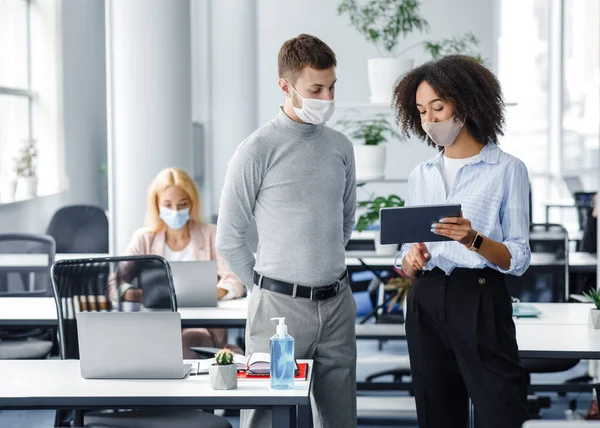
(166, 178)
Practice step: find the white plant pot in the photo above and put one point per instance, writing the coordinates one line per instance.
(8, 190)
(594, 319)
(369, 161)
(384, 249)
(383, 75)
(26, 187)
(223, 377)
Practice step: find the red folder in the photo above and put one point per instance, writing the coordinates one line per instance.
(302, 373)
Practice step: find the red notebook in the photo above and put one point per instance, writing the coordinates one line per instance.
(302, 373)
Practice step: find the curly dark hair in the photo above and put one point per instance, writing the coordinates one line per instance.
(461, 80)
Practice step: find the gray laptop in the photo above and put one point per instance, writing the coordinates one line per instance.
(130, 345)
(195, 283)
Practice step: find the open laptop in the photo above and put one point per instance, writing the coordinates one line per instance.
(195, 283)
(130, 345)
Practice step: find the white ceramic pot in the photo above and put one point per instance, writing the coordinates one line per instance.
(594, 319)
(384, 249)
(223, 377)
(369, 161)
(383, 75)
(26, 187)
(8, 190)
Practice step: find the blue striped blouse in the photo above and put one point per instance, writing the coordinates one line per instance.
(493, 190)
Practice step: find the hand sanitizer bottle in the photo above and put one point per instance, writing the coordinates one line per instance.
(283, 363)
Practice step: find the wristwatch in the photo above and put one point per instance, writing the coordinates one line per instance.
(476, 242)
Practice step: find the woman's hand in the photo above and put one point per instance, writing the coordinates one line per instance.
(417, 257)
(457, 228)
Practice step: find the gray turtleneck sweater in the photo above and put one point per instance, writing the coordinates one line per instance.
(298, 181)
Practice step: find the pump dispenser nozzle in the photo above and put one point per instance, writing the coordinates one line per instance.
(281, 329)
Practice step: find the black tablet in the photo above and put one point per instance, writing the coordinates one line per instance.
(406, 225)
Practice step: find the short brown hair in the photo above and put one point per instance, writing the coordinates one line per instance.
(303, 51)
(470, 86)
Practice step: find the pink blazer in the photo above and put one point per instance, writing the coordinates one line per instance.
(203, 238)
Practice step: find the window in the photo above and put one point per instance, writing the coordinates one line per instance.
(548, 64)
(30, 119)
(581, 92)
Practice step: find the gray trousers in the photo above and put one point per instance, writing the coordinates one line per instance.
(323, 331)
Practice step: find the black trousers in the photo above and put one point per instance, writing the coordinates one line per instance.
(462, 343)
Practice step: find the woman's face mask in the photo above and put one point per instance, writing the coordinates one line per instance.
(443, 133)
(174, 219)
(313, 110)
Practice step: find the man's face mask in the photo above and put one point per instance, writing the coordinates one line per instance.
(443, 133)
(313, 110)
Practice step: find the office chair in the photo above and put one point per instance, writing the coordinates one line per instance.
(26, 281)
(79, 229)
(81, 285)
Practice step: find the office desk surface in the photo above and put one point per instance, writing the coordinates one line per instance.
(558, 313)
(230, 313)
(578, 262)
(58, 383)
(558, 341)
(41, 312)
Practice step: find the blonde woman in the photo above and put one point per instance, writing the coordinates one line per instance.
(176, 231)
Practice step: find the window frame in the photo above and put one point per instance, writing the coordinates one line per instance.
(28, 92)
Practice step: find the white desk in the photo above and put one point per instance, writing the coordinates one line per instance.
(578, 262)
(229, 313)
(558, 313)
(30, 384)
(558, 341)
(380, 331)
(39, 260)
(41, 312)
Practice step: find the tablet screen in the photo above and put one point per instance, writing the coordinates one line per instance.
(407, 225)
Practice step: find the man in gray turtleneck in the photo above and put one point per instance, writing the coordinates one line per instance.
(296, 177)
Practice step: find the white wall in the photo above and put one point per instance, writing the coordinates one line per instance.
(278, 21)
(84, 119)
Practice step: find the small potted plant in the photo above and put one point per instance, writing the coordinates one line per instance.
(371, 216)
(223, 374)
(368, 136)
(25, 164)
(384, 23)
(594, 319)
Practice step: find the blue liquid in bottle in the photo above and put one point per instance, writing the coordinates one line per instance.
(282, 359)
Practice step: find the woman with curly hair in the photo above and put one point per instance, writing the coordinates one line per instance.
(459, 327)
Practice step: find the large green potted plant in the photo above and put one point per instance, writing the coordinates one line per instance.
(370, 216)
(369, 137)
(384, 23)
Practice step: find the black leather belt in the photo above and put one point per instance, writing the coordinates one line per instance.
(296, 290)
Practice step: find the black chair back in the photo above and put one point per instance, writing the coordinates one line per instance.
(25, 270)
(79, 229)
(81, 285)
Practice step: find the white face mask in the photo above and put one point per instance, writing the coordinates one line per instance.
(313, 110)
(443, 133)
